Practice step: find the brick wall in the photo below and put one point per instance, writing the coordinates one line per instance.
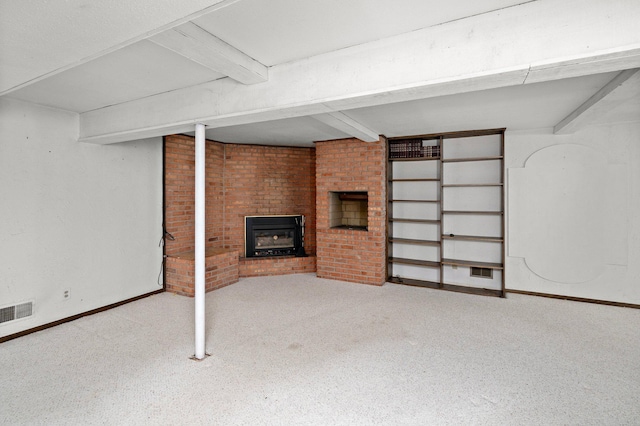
(267, 180)
(343, 254)
(241, 180)
(221, 269)
(277, 266)
(179, 193)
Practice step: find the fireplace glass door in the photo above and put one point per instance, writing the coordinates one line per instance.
(273, 239)
(273, 236)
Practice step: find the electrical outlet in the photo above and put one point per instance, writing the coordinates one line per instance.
(66, 294)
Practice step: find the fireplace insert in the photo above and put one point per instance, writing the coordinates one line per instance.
(274, 236)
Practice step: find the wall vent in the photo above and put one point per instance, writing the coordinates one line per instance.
(11, 313)
(481, 272)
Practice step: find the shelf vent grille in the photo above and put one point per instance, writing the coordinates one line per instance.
(481, 272)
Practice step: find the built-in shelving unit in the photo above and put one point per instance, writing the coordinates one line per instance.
(446, 211)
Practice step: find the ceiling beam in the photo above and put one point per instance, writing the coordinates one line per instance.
(195, 43)
(341, 121)
(224, 102)
(436, 61)
(608, 60)
(585, 113)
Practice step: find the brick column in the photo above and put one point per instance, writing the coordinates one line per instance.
(345, 254)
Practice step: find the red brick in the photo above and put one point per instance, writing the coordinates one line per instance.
(221, 266)
(241, 180)
(349, 255)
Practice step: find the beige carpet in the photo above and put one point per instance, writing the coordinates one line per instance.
(301, 350)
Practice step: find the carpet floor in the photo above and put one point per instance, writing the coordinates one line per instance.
(299, 350)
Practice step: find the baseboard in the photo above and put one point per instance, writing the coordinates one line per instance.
(77, 316)
(575, 299)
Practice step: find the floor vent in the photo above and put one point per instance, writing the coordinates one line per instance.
(15, 312)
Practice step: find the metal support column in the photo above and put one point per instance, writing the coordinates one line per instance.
(199, 242)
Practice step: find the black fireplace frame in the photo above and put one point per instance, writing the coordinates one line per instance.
(255, 224)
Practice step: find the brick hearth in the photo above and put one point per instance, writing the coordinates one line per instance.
(221, 269)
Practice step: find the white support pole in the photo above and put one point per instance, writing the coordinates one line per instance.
(199, 242)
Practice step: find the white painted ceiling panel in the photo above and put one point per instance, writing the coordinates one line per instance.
(517, 107)
(300, 131)
(139, 70)
(40, 37)
(622, 106)
(278, 31)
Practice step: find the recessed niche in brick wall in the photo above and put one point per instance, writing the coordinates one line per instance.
(349, 210)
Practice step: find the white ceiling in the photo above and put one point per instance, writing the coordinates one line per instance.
(39, 38)
(135, 71)
(300, 29)
(61, 53)
(520, 107)
(298, 131)
(623, 106)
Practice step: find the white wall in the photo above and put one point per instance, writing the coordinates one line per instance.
(573, 212)
(77, 217)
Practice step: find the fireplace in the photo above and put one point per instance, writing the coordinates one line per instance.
(267, 236)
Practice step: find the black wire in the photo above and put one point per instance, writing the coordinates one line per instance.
(161, 243)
